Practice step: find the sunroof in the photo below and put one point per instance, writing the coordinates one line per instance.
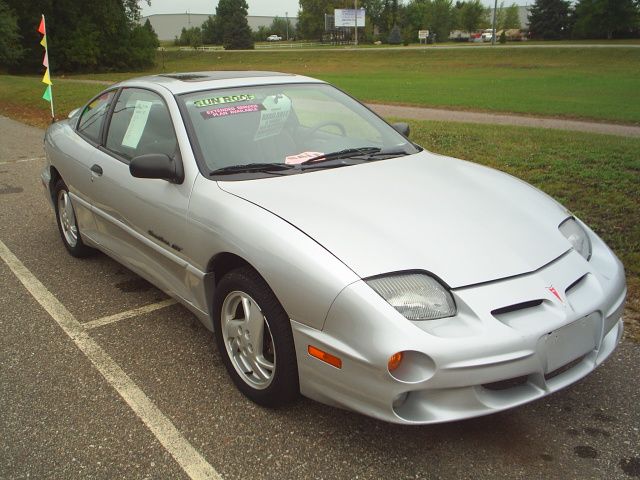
(221, 75)
(187, 77)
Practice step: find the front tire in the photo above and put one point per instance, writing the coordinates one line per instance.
(67, 223)
(254, 338)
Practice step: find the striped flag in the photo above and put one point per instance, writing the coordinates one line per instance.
(48, 93)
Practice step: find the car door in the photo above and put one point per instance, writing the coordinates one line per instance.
(142, 221)
(80, 154)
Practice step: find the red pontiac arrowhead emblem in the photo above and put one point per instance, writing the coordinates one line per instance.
(555, 293)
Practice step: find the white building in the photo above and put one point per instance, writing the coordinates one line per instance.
(169, 25)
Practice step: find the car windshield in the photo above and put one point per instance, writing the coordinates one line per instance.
(283, 126)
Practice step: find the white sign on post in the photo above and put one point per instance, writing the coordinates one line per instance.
(423, 34)
(346, 18)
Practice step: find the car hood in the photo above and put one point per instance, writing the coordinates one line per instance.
(463, 222)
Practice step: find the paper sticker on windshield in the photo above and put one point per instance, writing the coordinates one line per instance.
(275, 114)
(137, 124)
(228, 111)
(301, 157)
(210, 102)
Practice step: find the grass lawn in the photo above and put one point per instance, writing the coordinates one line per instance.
(592, 83)
(596, 176)
(21, 98)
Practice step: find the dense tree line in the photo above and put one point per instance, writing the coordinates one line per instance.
(549, 19)
(104, 35)
(391, 20)
(559, 19)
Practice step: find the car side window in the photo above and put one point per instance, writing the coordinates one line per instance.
(93, 115)
(141, 124)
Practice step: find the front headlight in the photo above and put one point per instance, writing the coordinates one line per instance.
(577, 236)
(415, 295)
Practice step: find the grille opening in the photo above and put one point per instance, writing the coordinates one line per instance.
(574, 284)
(564, 368)
(506, 384)
(517, 306)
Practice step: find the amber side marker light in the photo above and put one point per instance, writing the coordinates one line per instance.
(394, 361)
(325, 357)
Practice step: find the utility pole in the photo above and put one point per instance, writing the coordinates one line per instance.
(493, 23)
(286, 16)
(355, 2)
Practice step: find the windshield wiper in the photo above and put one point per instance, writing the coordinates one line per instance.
(391, 153)
(251, 167)
(346, 153)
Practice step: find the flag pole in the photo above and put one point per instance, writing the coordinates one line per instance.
(48, 93)
(53, 116)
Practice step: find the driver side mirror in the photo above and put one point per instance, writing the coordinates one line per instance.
(73, 113)
(157, 165)
(402, 128)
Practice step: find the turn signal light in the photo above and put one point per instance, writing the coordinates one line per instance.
(325, 357)
(394, 361)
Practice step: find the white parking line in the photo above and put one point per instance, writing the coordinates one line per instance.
(22, 160)
(167, 434)
(100, 322)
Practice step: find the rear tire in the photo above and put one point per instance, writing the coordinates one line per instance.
(254, 338)
(67, 223)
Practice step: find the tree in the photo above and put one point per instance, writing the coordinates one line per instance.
(416, 17)
(152, 36)
(311, 17)
(231, 18)
(470, 15)
(374, 13)
(500, 15)
(106, 36)
(606, 18)
(395, 37)
(389, 16)
(440, 18)
(190, 37)
(261, 33)
(511, 18)
(550, 19)
(144, 43)
(281, 27)
(211, 34)
(10, 48)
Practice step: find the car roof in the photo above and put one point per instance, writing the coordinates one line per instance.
(186, 82)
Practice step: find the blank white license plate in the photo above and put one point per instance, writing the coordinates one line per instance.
(572, 341)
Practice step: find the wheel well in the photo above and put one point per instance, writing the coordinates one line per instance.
(223, 263)
(218, 267)
(55, 176)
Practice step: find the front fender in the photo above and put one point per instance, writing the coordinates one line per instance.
(304, 276)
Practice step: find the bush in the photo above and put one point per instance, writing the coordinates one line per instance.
(503, 37)
(395, 37)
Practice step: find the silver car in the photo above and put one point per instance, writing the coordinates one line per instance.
(331, 256)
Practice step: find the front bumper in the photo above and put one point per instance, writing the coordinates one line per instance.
(501, 350)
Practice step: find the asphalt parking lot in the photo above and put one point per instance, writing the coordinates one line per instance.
(102, 376)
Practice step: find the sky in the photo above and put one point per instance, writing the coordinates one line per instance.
(256, 7)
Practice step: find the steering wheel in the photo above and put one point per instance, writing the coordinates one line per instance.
(330, 123)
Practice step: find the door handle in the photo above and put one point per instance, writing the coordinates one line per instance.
(97, 169)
